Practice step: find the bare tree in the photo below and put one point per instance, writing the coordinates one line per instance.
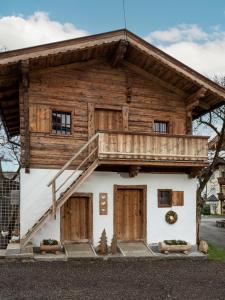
(9, 151)
(213, 123)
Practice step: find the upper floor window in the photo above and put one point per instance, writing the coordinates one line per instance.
(161, 127)
(61, 122)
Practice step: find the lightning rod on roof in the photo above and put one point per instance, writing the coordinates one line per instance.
(124, 17)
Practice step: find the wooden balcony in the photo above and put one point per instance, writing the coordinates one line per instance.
(129, 148)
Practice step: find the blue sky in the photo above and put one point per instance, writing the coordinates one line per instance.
(142, 16)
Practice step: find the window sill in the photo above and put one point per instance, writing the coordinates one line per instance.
(164, 206)
(61, 135)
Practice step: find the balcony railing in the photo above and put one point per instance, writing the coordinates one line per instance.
(152, 147)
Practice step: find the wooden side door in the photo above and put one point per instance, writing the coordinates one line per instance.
(108, 119)
(130, 213)
(76, 218)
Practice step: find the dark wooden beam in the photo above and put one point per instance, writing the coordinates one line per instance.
(8, 93)
(150, 76)
(120, 53)
(193, 173)
(25, 103)
(12, 110)
(129, 82)
(204, 105)
(10, 102)
(194, 100)
(134, 170)
(12, 117)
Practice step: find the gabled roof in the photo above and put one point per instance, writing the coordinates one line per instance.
(137, 54)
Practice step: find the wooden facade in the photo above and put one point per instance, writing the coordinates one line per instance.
(91, 90)
(96, 97)
(105, 102)
(108, 82)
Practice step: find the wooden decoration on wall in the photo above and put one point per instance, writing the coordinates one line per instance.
(171, 217)
(103, 203)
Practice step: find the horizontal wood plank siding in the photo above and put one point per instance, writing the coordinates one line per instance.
(80, 88)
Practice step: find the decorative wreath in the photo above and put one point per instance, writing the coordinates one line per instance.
(171, 217)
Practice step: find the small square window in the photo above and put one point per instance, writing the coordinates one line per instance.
(164, 198)
(61, 123)
(161, 127)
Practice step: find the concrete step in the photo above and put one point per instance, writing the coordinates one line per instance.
(78, 250)
(135, 249)
(14, 250)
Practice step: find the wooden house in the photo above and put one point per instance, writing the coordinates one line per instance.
(105, 123)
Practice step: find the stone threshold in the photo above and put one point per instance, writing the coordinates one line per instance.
(14, 252)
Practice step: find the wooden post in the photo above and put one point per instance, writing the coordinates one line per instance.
(120, 53)
(189, 122)
(25, 100)
(125, 113)
(53, 200)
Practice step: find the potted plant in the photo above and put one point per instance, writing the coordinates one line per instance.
(49, 246)
(174, 246)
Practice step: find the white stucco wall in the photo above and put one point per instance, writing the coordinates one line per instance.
(36, 198)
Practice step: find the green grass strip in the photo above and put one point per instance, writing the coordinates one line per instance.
(216, 253)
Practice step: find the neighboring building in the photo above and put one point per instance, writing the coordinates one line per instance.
(215, 188)
(118, 112)
(214, 204)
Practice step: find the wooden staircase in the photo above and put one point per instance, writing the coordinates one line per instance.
(85, 162)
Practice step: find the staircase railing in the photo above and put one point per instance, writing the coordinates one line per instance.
(81, 160)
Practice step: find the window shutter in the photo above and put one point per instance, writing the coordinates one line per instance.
(39, 118)
(178, 198)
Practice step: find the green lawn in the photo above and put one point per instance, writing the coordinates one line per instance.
(216, 253)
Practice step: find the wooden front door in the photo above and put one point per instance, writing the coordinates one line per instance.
(76, 218)
(108, 119)
(130, 213)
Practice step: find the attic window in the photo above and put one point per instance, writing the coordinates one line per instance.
(61, 122)
(161, 127)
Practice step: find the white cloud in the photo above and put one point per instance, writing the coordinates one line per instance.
(19, 32)
(179, 33)
(201, 50)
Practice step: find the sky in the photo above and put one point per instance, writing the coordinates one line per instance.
(191, 31)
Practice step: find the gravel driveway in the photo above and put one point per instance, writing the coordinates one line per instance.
(210, 232)
(141, 279)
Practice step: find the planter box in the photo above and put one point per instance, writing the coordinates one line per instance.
(49, 248)
(164, 248)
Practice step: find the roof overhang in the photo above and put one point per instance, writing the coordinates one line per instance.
(139, 55)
